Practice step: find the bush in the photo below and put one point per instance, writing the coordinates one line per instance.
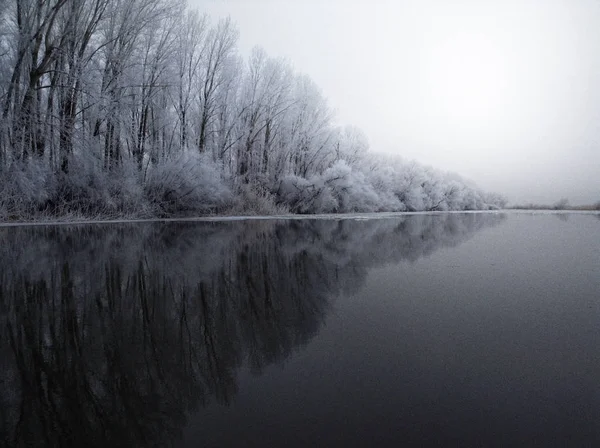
(181, 184)
(562, 204)
(256, 200)
(186, 183)
(23, 187)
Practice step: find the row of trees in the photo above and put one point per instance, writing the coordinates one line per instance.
(145, 105)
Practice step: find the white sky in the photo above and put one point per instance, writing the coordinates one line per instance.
(505, 92)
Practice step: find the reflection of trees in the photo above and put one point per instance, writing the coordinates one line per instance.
(110, 335)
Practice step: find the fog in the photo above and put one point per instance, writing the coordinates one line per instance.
(505, 93)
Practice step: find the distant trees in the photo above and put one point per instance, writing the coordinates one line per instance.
(143, 106)
(561, 204)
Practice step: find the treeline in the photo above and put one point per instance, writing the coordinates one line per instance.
(562, 204)
(145, 107)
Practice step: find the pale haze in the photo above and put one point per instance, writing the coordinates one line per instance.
(505, 93)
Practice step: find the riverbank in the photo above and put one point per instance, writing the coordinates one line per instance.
(288, 216)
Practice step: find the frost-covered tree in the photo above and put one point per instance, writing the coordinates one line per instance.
(146, 107)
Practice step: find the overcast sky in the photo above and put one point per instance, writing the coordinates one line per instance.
(505, 93)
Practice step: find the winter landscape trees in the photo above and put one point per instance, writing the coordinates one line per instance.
(146, 108)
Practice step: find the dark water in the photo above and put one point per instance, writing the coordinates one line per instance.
(449, 330)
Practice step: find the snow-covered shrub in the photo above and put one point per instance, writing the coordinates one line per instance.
(298, 193)
(186, 183)
(89, 190)
(495, 201)
(350, 189)
(23, 187)
(383, 180)
(338, 189)
(125, 190)
(83, 189)
(254, 199)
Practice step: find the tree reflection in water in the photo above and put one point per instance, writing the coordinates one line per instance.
(112, 334)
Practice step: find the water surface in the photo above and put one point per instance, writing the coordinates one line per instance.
(446, 329)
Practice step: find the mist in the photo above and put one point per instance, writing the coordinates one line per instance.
(505, 93)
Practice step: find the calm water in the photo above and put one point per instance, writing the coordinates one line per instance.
(449, 330)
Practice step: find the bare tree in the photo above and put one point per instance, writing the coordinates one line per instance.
(220, 45)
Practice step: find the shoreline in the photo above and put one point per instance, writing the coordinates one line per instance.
(325, 216)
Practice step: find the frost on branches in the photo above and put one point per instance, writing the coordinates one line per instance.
(145, 108)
